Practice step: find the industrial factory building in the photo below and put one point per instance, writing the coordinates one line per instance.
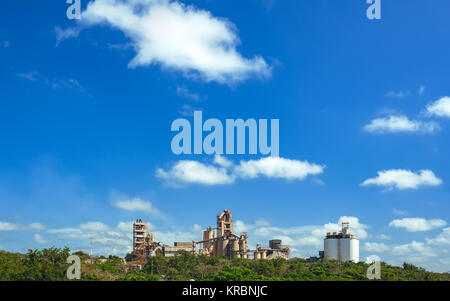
(341, 245)
(222, 241)
(219, 241)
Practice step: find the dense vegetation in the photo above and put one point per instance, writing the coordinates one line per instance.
(50, 264)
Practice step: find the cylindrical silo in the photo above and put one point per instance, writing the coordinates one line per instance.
(257, 255)
(263, 255)
(331, 248)
(225, 247)
(243, 244)
(349, 249)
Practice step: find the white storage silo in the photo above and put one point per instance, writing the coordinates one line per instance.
(331, 248)
(341, 246)
(349, 249)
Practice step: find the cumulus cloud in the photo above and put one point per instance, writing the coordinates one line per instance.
(177, 37)
(222, 161)
(400, 124)
(39, 239)
(404, 179)
(442, 239)
(417, 224)
(307, 236)
(193, 172)
(223, 171)
(136, 204)
(94, 226)
(276, 167)
(416, 248)
(37, 226)
(6, 226)
(106, 239)
(376, 247)
(440, 107)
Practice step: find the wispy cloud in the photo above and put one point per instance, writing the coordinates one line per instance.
(136, 204)
(397, 94)
(62, 34)
(421, 90)
(40, 239)
(183, 91)
(7, 226)
(55, 83)
(187, 110)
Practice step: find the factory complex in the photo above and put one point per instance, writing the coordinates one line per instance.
(222, 241)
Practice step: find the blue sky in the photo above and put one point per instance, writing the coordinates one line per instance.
(86, 109)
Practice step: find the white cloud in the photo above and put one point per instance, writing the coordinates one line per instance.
(105, 239)
(54, 83)
(183, 91)
(178, 37)
(94, 226)
(193, 172)
(222, 161)
(376, 247)
(307, 236)
(125, 226)
(62, 34)
(188, 110)
(404, 179)
(417, 224)
(262, 222)
(384, 237)
(240, 226)
(421, 90)
(399, 212)
(40, 239)
(6, 226)
(37, 226)
(440, 108)
(399, 94)
(276, 167)
(225, 172)
(400, 124)
(419, 249)
(136, 204)
(442, 239)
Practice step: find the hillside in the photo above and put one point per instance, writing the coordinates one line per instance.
(50, 264)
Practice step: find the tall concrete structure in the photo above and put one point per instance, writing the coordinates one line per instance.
(222, 243)
(342, 245)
